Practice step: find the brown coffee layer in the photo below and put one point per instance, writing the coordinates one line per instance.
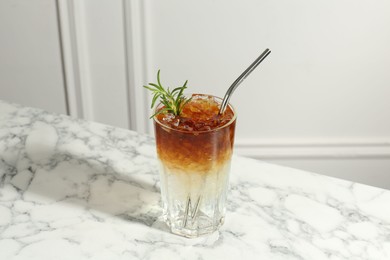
(194, 151)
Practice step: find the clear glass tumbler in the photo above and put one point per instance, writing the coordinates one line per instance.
(194, 173)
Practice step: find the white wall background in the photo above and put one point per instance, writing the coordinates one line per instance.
(319, 102)
(31, 69)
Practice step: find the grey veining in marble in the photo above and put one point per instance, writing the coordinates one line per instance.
(71, 189)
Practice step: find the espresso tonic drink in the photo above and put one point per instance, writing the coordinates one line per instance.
(194, 152)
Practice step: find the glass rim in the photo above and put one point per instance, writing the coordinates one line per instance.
(203, 131)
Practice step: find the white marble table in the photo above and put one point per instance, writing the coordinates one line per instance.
(71, 189)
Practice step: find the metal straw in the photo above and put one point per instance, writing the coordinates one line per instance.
(189, 211)
(240, 79)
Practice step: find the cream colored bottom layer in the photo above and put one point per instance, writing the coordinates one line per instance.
(178, 185)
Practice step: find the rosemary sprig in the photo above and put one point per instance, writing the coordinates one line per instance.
(173, 101)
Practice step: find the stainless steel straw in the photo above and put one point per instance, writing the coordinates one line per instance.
(189, 210)
(240, 79)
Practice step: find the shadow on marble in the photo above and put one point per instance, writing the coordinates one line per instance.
(94, 185)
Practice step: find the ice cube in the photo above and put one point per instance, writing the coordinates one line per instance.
(169, 117)
(176, 122)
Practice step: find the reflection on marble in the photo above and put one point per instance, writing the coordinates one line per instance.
(72, 189)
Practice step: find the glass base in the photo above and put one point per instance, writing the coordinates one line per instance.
(203, 226)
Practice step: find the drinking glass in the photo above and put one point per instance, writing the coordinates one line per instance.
(194, 171)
